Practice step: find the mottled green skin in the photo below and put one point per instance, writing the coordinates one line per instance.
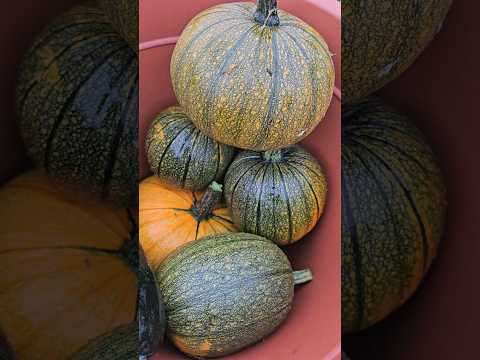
(229, 291)
(382, 38)
(252, 86)
(280, 200)
(393, 210)
(77, 100)
(123, 15)
(120, 344)
(181, 155)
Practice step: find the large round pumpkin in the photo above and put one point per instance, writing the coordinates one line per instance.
(393, 209)
(123, 14)
(225, 292)
(171, 217)
(181, 155)
(255, 78)
(382, 38)
(77, 100)
(277, 194)
(68, 269)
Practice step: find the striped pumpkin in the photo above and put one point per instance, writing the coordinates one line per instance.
(393, 209)
(382, 38)
(278, 194)
(255, 78)
(181, 155)
(77, 100)
(123, 14)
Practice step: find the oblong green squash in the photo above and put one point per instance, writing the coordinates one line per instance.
(382, 38)
(77, 100)
(225, 292)
(393, 210)
(123, 14)
(181, 155)
(255, 78)
(278, 194)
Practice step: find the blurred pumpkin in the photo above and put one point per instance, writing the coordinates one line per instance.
(123, 14)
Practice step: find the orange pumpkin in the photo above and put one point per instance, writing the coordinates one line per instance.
(67, 268)
(171, 217)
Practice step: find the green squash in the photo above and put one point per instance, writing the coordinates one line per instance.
(225, 292)
(240, 70)
(77, 101)
(382, 38)
(393, 211)
(278, 194)
(123, 14)
(181, 155)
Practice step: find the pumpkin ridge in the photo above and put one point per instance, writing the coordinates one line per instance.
(195, 133)
(222, 218)
(259, 200)
(250, 193)
(234, 188)
(168, 147)
(305, 180)
(287, 201)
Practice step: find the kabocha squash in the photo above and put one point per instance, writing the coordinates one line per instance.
(393, 209)
(226, 292)
(77, 100)
(278, 194)
(181, 155)
(123, 14)
(382, 38)
(171, 217)
(68, 270)
(255, 78)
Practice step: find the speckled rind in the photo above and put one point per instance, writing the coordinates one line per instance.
(181, 155)
(252, 86)
(123, 15)
(393, 210)
(225, 292)
(382, 38)
(281, 201)
(77, 100)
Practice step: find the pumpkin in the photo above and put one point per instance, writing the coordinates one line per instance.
(119, 344)
(393, 210)
(226, 292)
(278, 194)
(382, 38)
(123, 15)
(77, 100)
(256, 78)
(62, 263)
(171, 217)
(181, 155)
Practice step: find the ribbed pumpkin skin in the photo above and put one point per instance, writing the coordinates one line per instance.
(250, 86)
(382, 38)
(166, 221)
(393, 210)
(77, 100)
(280, 200)
(225, 292)
(123, 14)
(67, 269)
(181, 155)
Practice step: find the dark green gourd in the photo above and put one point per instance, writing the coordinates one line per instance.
(226, 292)
(393, 210)
(181, 155)
(279, 194)
(123, 15)
(77, 100)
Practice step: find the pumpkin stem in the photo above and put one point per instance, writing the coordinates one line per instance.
(273, 155)
(302, 276)
(203, 208)
(266, 13)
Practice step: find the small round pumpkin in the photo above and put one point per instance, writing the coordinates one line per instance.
(181, 155)
(77, 101)
(78, 262)
(226, 292)
(278, 194)
(123, 15)
(170, 217)
(255, 78)
(393, 211)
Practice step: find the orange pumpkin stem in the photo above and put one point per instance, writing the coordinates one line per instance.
(267, 13)
(203, 208)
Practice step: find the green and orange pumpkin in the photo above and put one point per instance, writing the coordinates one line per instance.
(123, 15)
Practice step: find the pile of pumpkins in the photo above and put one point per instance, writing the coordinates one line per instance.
(246, 98)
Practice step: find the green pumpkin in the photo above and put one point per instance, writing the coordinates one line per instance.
(77, 100)
(123, 14)
(225, 292)
(382, 38)
(393, 210)
(181, 155)
(278, 194)
(255, 78)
